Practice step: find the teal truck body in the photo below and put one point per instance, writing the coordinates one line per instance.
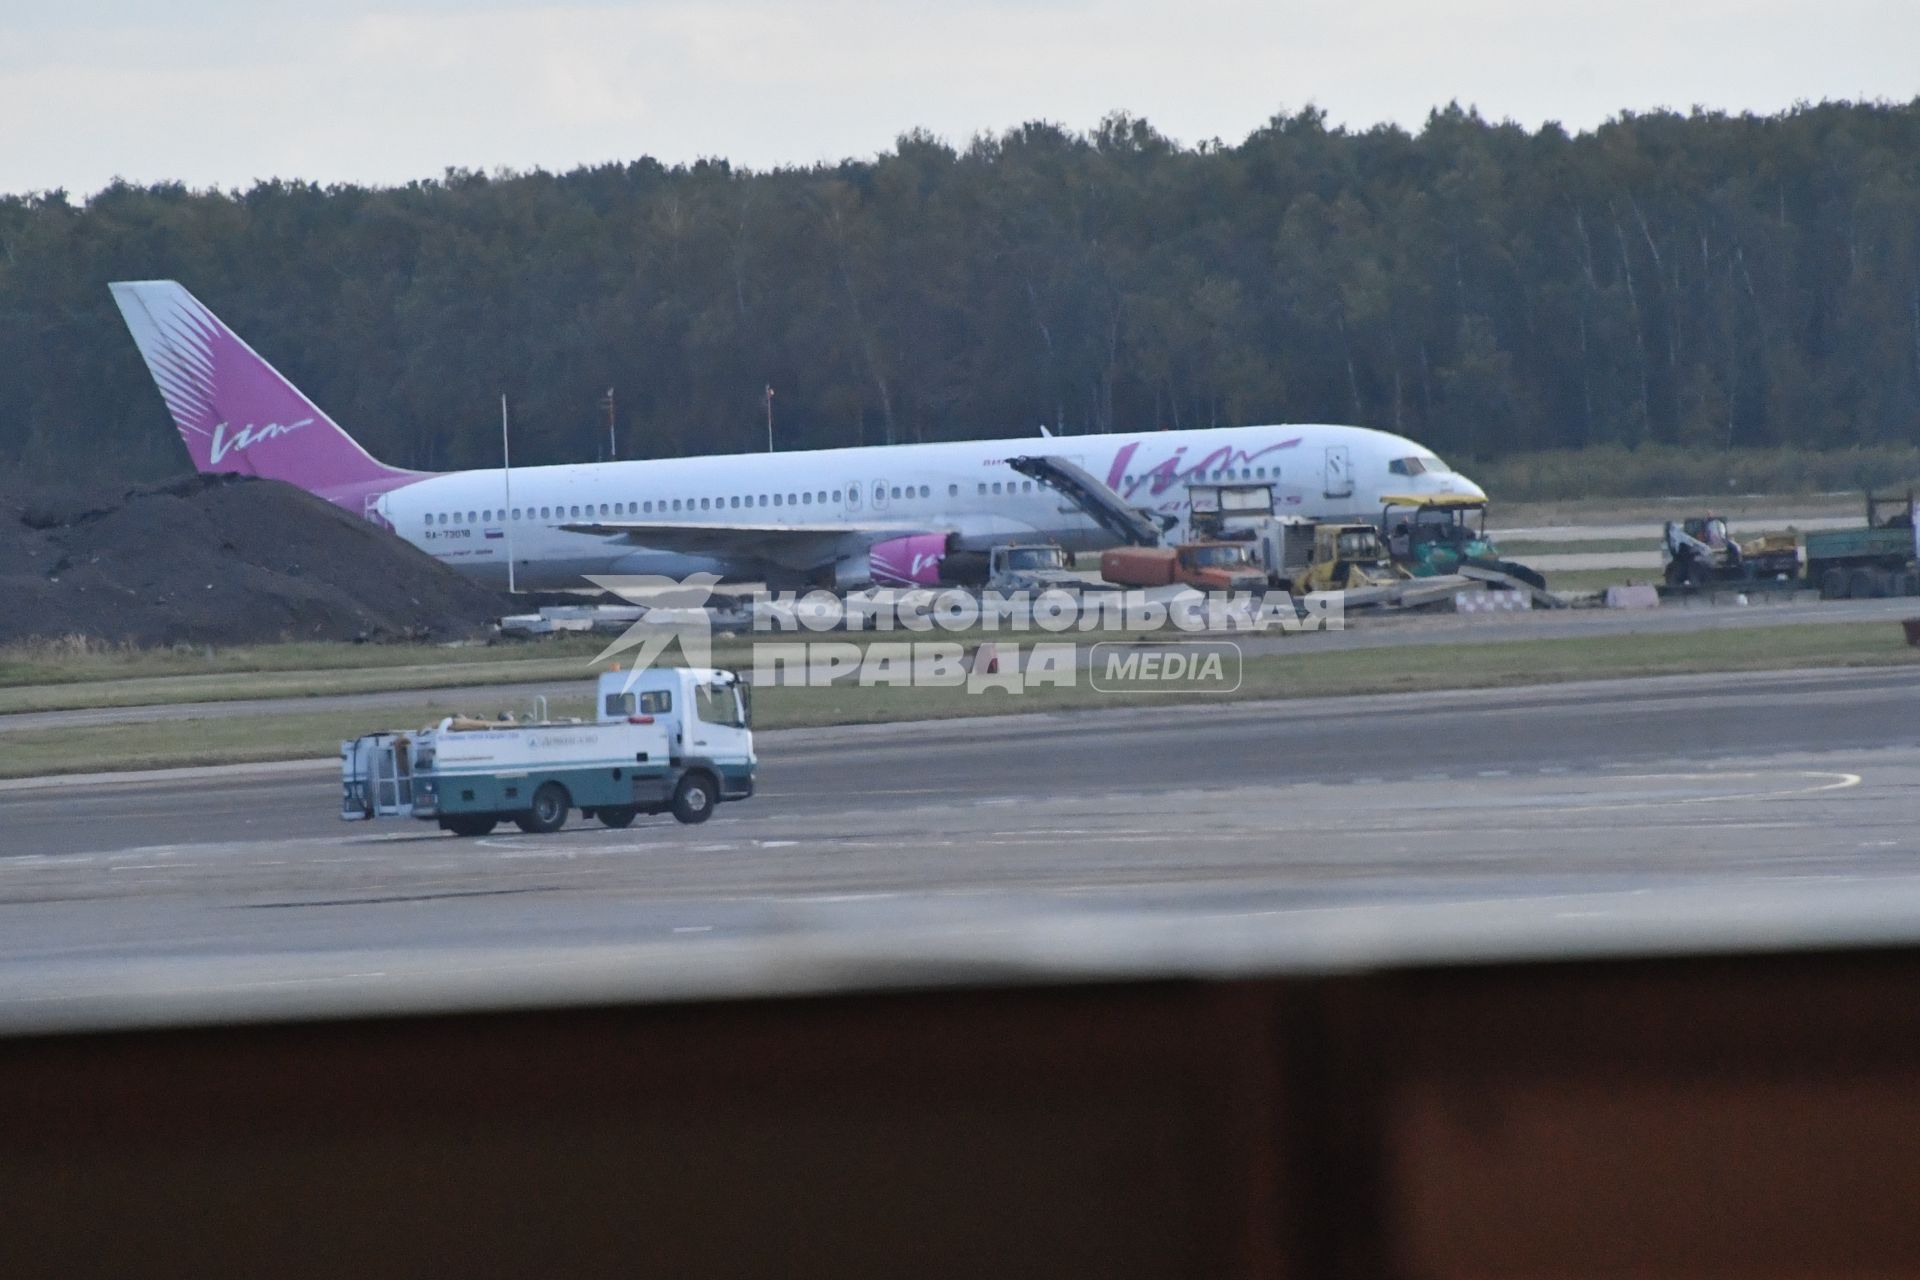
(1870, 561)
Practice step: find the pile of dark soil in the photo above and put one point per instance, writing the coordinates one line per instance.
(219, 560)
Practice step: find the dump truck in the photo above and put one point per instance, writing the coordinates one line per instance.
(1872, 561)
(1204, 566)
(665, 739)
(1431, 535)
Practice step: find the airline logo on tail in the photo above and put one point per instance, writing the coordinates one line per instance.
(234, 410)
(248, 436)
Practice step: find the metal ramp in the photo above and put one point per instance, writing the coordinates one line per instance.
(1132, 525)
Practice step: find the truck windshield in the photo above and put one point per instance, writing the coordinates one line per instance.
(1359, 546)
(718, 704)
(1036, 558)
(1217, 557)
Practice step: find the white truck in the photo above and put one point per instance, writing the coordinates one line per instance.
(1036, 567)
(676, 739)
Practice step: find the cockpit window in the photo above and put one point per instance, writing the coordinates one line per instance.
(1418, 465)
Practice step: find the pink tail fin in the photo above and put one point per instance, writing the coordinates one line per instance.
(234, 410)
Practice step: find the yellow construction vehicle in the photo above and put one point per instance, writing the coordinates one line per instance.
(1346, 556)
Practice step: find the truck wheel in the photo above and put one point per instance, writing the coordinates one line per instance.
(617, 816)
(693, 798)
(469, 825)
(1862, 584)
(1833, 584)
(549, 811)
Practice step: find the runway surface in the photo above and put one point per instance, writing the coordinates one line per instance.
(1191, 838)
(1654, 530)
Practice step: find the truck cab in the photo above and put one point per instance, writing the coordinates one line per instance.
(707, 713)
(1220, 566)
(1037, 566)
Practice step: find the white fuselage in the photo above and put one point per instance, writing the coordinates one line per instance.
(469, 519)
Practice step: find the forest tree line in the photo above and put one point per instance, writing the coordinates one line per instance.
(1701, 282)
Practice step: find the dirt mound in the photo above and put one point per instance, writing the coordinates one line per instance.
(219, 560)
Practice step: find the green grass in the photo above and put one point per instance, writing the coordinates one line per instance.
(567, 659)
(1597, 579)
(1652, 471)
(75, 659)
(299, 735)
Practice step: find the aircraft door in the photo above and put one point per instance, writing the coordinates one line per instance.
(1339, 472)
(879, 495)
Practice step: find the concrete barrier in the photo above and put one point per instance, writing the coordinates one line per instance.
(1639, 596)
(1491, 601)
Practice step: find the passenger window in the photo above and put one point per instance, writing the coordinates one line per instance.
(656, 702)
(823, 497)
(925, 492)
(983, 488)
(996, 486)
(894, 492)
(837, 495)
(807, 498)
(953, 491)
(429, 517)
(546, 513)
(776, 499)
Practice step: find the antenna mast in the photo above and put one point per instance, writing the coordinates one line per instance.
(506, 478)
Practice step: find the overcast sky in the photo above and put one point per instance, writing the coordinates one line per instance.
(221, 92)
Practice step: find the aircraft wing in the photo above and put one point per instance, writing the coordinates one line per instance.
(796, 546)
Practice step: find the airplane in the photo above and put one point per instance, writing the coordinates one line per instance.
(902, 515)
